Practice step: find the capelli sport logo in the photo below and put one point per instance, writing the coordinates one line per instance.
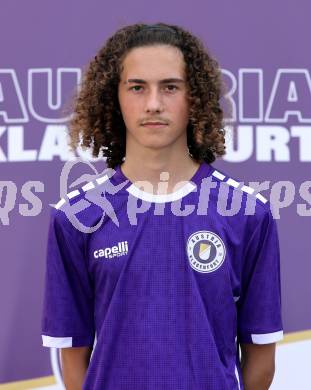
(121, 249)
(206, 251)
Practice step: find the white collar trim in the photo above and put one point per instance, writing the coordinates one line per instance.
(161, 198)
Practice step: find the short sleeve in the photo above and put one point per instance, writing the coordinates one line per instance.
(67, 319)
(259, 306)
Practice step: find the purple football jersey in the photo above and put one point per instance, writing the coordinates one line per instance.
(165, 287)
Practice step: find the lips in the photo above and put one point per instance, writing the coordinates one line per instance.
(154, 123)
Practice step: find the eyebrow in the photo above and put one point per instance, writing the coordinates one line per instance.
(164, 81)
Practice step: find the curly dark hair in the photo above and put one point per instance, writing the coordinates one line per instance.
(97, 121)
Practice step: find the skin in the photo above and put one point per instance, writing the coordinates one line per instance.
(74, 362)
(153, 97)
(151, 151)
(258, 365)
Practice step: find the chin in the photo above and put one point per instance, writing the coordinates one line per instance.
(156, 144)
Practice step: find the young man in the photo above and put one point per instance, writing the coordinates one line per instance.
(170, 283)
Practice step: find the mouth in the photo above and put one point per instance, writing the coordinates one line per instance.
(154, 124)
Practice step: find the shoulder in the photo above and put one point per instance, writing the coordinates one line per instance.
(247, 202)
(84, 206)
(252, 225)
(238, 184)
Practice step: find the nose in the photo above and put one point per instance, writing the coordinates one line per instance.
(154, 101)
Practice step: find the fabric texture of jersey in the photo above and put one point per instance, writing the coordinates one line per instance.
(165, 287)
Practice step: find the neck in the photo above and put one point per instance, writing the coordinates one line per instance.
(148, 165)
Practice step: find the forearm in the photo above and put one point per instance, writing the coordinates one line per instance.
(258, 366)
(75, 363)
(256, 379)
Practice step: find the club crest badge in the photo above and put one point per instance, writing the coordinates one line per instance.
(206, 251)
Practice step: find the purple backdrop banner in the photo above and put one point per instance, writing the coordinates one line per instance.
(263, 52)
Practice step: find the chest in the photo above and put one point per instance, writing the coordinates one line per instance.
(166, 252)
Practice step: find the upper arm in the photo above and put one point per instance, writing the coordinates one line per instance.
(259, 306)
(68, 309)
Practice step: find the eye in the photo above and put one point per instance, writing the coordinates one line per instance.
(171, 87)
(136, 88)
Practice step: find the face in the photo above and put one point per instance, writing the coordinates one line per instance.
(153, 97)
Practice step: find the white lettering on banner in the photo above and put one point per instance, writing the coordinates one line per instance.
(16, 151)
(53, 144)
(2, 155)
(292, 93)
(281, 106)
(12, 101)
(232, 86)
(265, 134)
(270, 143)
(250, 79)
(272, 140)
(13, 110)
(43, 78)
(290, 96)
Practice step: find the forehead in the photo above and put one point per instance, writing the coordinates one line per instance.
(153, 62)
